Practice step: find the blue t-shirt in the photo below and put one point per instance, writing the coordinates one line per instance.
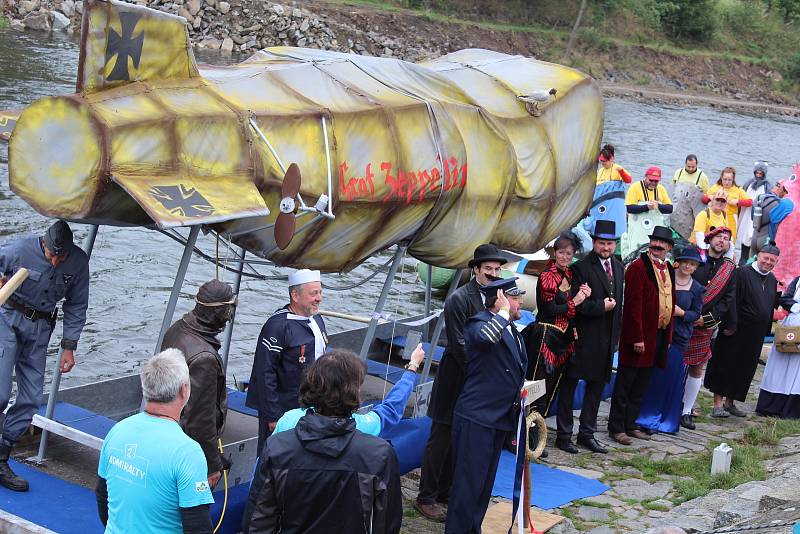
(152, 469)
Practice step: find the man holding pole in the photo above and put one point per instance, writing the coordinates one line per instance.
(487, 410)
(57, 269)
(437, 469)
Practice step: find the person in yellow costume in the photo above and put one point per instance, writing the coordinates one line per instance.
(735, 195)
(690, 173)
(608, 171)
(648, 194)
(714, 216)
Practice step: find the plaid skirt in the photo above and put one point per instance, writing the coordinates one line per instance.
(698, 351)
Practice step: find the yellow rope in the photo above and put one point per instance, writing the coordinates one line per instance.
(225, 501)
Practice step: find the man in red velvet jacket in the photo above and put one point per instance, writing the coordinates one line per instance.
(646, 331)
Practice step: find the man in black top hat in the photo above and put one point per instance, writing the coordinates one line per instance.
(487, 410)
(646, 333)
(57, 269)
(598, 323)
(463, 303)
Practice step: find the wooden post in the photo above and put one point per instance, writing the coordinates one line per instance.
(12, 284)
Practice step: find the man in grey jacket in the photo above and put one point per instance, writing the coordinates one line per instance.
(57, 269)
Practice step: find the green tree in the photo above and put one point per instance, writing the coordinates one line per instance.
(695, 19)
(789, 8)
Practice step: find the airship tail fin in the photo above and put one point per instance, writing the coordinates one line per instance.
(123, 43)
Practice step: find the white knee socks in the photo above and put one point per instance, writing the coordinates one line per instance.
(690, 393)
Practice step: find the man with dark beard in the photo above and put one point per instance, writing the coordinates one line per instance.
(203, 418)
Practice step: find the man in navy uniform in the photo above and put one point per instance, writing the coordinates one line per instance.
(487, 410)
(291, 339)
(437, 461)
(57, 269)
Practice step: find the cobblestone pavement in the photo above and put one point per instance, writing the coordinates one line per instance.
(636, 500)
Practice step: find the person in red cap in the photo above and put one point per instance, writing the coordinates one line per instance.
(717, 275)
(608, 171)
(648, 194)
(715, 215)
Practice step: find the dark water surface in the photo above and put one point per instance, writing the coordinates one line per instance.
(133, 269)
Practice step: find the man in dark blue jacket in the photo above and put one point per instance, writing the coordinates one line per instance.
(291, 339)
(487, 410)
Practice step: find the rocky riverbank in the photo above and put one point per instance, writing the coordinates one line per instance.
(241, 27)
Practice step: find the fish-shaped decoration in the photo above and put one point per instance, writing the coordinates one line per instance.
(788, 266)
(687, 199)
(310, 158)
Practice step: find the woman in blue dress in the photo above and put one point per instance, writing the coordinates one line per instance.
(661, 405)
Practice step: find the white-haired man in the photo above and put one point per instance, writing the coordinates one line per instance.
(151, 476)
(290, 341)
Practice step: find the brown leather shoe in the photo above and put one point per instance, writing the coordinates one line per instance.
(430, 511)
(621, 437)
(638, 434)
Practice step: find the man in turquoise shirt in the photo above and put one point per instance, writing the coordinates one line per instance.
(152, 478)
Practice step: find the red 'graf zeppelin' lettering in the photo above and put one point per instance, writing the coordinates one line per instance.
(356, 187)
(405, 186)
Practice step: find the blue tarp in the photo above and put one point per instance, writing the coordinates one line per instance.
(551, 487)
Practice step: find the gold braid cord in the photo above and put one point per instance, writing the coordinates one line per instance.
(535, 419)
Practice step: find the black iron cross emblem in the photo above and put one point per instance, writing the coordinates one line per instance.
(181, 200)
(124, 46)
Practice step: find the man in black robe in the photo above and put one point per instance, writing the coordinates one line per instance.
(437, 462)
(736, 351)
(598, 323)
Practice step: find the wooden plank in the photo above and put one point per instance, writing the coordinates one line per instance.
(12, 284)
(68, 432)
(498, 517)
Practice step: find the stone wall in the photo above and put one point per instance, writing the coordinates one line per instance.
(234, 26)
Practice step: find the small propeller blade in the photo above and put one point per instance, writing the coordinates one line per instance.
(291, 181)
(284, 229)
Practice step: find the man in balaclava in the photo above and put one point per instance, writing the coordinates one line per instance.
(195, 334)
(755, 187)
(57, 269)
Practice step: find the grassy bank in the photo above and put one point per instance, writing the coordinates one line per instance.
(613, 33)
(693, 474)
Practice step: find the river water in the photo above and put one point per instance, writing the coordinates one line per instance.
(132, 269)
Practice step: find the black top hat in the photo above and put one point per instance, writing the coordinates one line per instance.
(58, 238)
(662, 233)
(487, 252)
(604, 229)
(508, 285)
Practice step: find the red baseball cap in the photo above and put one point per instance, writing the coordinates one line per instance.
(654, 173)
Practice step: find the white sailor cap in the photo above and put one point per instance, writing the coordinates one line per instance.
(303, 276)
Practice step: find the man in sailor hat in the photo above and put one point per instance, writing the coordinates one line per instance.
(487, 410)
(291, 339)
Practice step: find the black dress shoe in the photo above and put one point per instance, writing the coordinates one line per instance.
(567, 446)
(592, 444)
(687, 421)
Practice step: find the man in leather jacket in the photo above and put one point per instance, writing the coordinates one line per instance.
(463, 303)
(195, 334)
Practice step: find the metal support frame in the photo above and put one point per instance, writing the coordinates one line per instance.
(88, 246)
(180, 276)
(228, 335)
(437, 331)
(387, 285)
(428, 290)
